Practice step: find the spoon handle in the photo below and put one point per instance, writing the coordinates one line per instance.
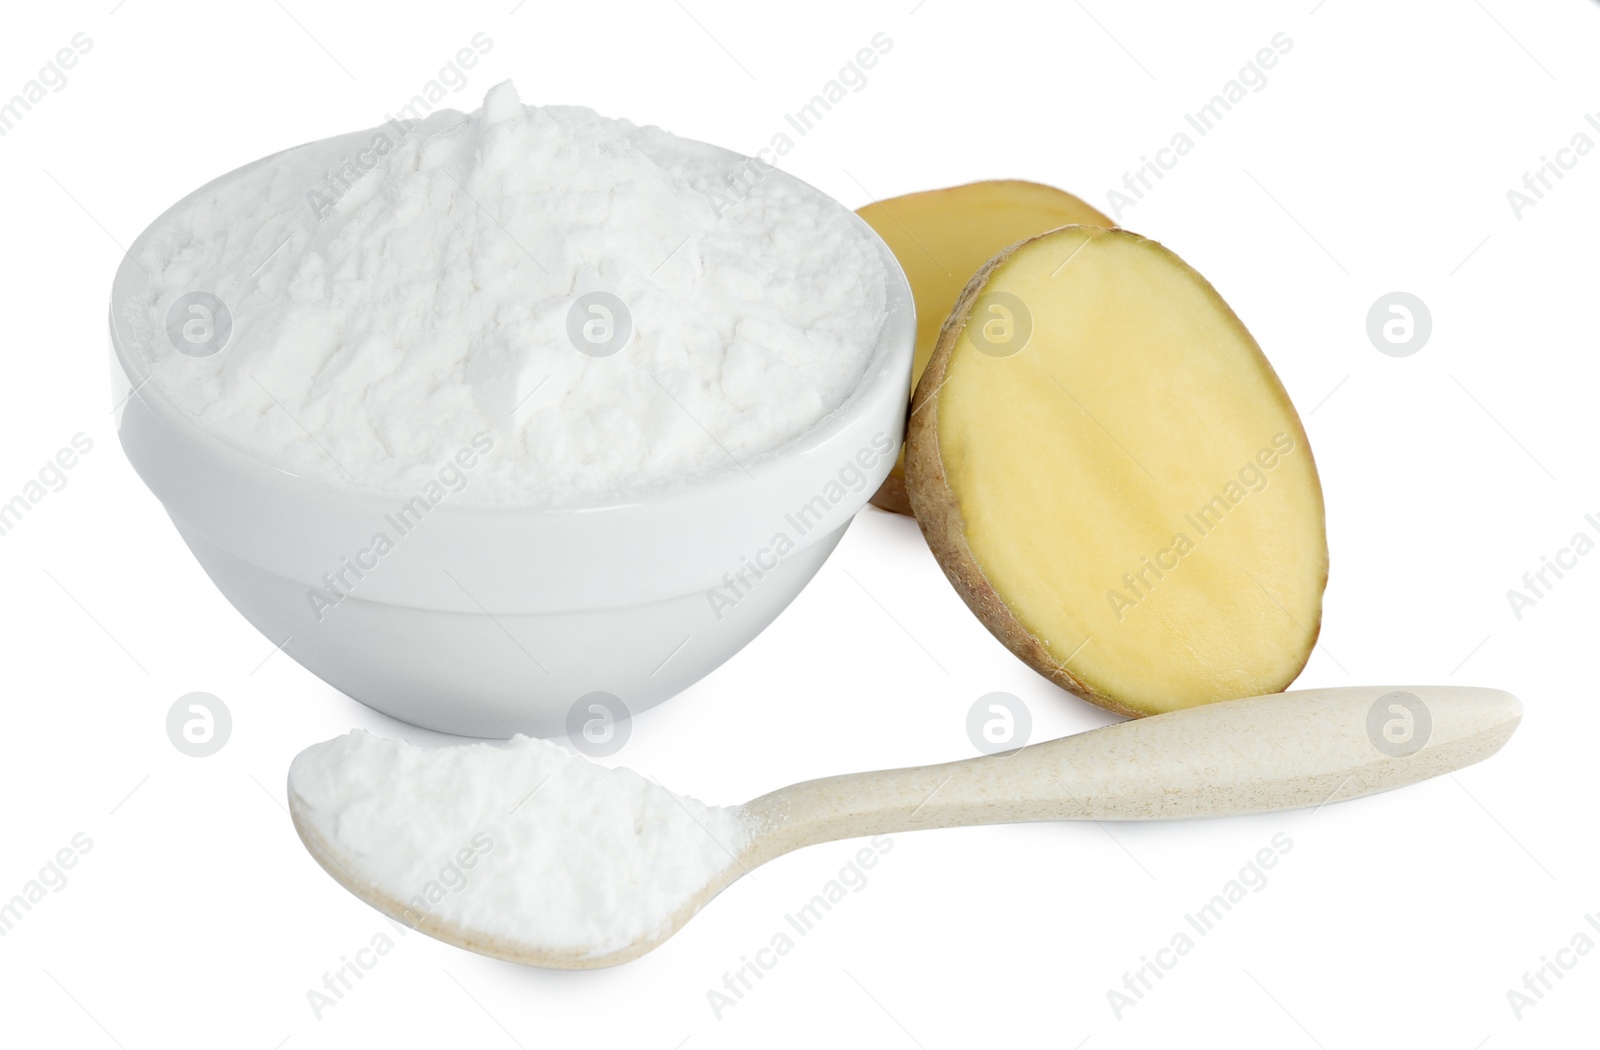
(1283, 751)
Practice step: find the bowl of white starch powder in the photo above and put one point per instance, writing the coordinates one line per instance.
(511, 421)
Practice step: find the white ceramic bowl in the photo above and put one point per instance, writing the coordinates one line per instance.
(494, 620)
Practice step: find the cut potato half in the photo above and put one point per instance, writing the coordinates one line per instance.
(941, 238)
(1114, 479)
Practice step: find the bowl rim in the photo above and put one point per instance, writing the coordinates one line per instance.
(896, 340)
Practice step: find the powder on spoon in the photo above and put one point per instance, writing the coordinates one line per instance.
(394, 292)
(521, 841)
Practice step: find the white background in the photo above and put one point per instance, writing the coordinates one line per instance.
(1377, 158)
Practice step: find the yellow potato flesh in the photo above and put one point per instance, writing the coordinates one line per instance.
(1134, 483)
(942, 237)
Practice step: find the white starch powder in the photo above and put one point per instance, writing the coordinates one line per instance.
(561, 280)
(521, 841)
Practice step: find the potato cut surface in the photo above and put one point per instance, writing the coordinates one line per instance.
(942, 237)
(1115, 480)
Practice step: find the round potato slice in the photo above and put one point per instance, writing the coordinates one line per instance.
(941, 238)
(1114, 479)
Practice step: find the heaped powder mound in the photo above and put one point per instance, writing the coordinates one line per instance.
(624, 310)
(522, 841)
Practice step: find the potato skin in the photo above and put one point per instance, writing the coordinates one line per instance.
(938, 513)
(891, 496)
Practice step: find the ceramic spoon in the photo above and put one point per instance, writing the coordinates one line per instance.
(1285, 751)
